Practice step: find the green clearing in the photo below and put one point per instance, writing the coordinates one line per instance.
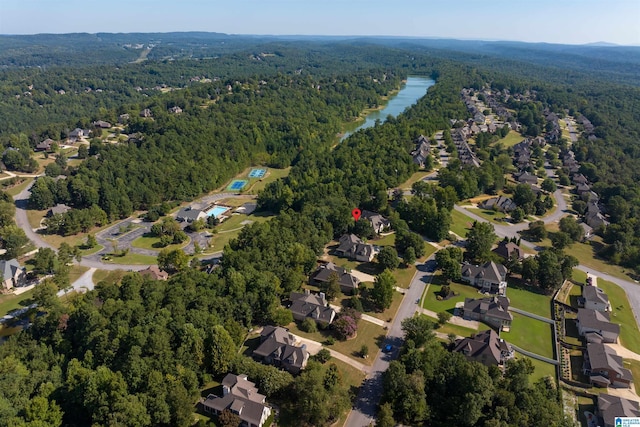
(622, 314)
(528, 300)
(231, 227)
(460, 223)
(413, 179)
(510, 140)
(110, 276)
(130, 258)
(388, 240)
(585, 253)
(542, 369)
(430, 301)
(257, 185)
(12, 302)
(531, 335)
(369, 334)
(493, 216)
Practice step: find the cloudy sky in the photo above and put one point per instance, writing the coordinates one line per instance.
(555, 21)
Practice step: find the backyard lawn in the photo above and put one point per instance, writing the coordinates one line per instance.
(12, 302)
(542, 369)
(634, 366)
(530, 301)
(531, 335)
(490, 215)
(510, 140)
(430, 301)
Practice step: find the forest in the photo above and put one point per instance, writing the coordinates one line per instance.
(142, 350)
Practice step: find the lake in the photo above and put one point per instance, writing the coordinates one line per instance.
(414, 89)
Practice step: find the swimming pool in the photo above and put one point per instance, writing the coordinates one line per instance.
(257, 173)
(237, 184)
(216, 211)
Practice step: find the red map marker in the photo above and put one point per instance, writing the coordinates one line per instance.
(356, 214)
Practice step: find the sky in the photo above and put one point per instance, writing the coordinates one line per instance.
(553, 21)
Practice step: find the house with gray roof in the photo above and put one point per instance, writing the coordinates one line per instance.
(490, 277)
(240, 396)
(494, 311)
(595, 326)
(611, 407)
(315, 306)
(277, 347)
(526, 178)
(594, 298)
(45, 145)
(500, 203)
(485, 347)
(352, 247)
(58, 209)
(422, 150)
(605, 368)
(13, 274)
(190, 214)
(348, 282)
(378, 222)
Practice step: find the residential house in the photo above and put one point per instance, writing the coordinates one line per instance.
(595, 219)
(240, 396)
(422, 151)
(277, 347)
(77, 134)
(58, 209)
(605, 368)
(352, 247)
(595, 326)
(378, 222)
(490, 277)
(579, 179)
(588, 231)
(485, 347)
(494, 311)
(509, 250)
(13, 274)
(612, 407)
(501, 203)
(154, 273)
(315, 306)
(146, 113)
(123, 118)
(45, 145)
(594, 298)
(348, 282)
(102, 124)
(582, 189)
(526, 178)
(175, 110)
(190, 214)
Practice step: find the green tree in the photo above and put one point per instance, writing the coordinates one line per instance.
(229, 419)
(14, 240)
(309, 325)
(173, 260)
(385, 416)
(409, 257)
(443, 317)
(560, 240)
(536, 231)
(383, 288)
(517, 215)
(220, 350)
(91, 241)
(388, 258)
(480, 239)
(418, 329)
(331, 287)
(45, 261)
(548, 185)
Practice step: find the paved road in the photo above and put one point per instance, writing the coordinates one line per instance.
(370, 393)
(573, 134)
(83, 284)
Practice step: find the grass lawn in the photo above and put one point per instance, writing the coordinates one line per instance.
(11, 302)
(431, 303)
(34, 217)
(404, 275)
(390, 312)
(490, 215)
(528, 300)
(388, 240)
(634, 366)
(585, 253)
(230, 229)
(16, 189)
(450, 328)
(368, 333)
(152, 242)
(621, 314)
(111, 276)
(531, 335)
(131, 258)
(542, 369)
(76, 272)
(510, 140)
(413, 178)
(460, 223)
(259, 184)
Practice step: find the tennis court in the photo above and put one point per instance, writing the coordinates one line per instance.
(237, 184)
(257, 173)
